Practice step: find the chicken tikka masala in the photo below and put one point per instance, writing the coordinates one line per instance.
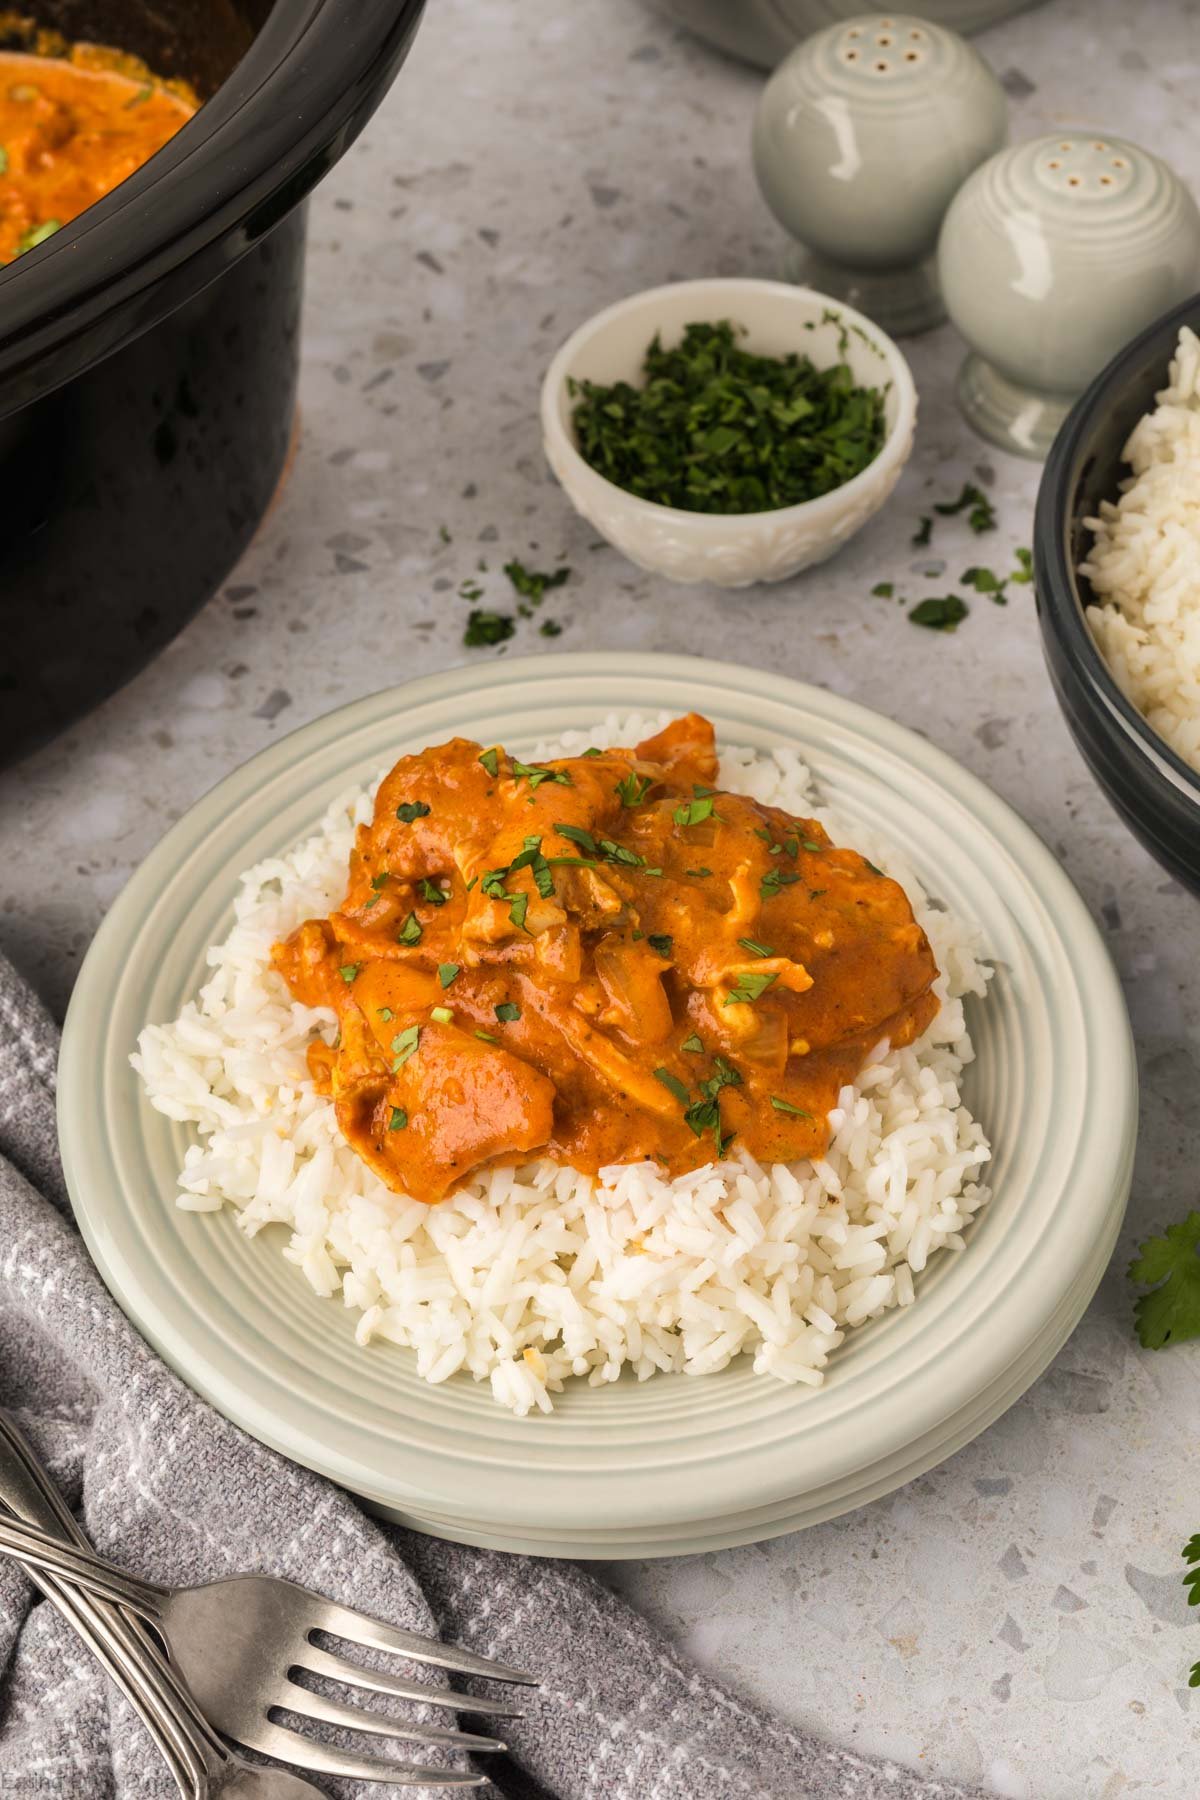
(601, 958)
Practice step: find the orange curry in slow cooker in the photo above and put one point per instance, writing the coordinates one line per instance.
(72, 128)
(600, 958)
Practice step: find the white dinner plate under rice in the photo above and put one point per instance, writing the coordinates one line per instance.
(892, 1300)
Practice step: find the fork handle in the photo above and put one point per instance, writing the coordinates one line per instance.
(38, 1549)
(195, 1755)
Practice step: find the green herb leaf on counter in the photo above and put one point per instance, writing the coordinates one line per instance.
(1170, 1266)
(940, 613)
(550, 628)
(1191, 1581)
(469, 589)
(487, 628)
(985, 581)
(923, 535)
(981, 514)
(444, 534)
(717, 429)
(531, 584)
(883, 590)
(1024, 569)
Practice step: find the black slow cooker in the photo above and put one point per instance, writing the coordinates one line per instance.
(149, 349)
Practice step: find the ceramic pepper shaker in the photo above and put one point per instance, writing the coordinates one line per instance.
(862, 137)
(1053, 255)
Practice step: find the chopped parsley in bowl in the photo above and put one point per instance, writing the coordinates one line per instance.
(728, 431)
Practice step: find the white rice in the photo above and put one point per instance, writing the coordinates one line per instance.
(1144, 563)
(533, 1274)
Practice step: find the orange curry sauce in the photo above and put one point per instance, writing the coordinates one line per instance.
(602, 959)
(71, 129)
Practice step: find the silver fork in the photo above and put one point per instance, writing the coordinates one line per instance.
(235, 1643)
(199, 1763)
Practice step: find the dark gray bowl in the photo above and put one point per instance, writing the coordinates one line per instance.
(1152, 788)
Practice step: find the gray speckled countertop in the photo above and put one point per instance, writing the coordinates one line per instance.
(1015, 1618)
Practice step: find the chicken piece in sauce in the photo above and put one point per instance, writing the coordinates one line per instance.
(601, 959)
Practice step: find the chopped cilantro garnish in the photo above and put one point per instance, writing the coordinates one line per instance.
(873, 868)
(410, 931)
(673, 1085)
(944, 612)
(982, 514)
(755, 948)
(705, 1114)
(575, 834)
(617, 853)
(533, 583)
(385, 1013)
(750, 987)
(398, 1119)
(518, 906)
(785, 1106)
(632, 789)
(693, 812)
(700, 874)
(487, 628)
(380, 881)
(431, 892)
(693, 1044)
(412, 809)
(593, 751)
(661, 943)
(716, 428)
(348, 971)
(507, 1011)
(448, 972)
(491, 762)
(811, 844)
(774, 880)
(535, 776)
(404, 1045)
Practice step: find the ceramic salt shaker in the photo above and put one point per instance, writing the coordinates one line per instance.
(1053, 255)
(862, 137)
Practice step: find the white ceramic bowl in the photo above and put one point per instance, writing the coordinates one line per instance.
(728, 549)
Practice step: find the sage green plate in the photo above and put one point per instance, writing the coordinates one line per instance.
(674, 1464)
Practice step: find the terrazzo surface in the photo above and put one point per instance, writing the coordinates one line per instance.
(1016, 1618)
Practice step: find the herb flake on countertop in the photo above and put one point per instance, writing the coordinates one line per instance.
(1170, 1267)
(985, 581)
(1191, 1581)
(923, 536)
(981, 514)
(531, 584)
(715, 428)
(943, 612)
(484, 627)
(883, 590)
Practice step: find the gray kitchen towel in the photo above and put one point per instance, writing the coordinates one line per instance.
(168, 1487)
